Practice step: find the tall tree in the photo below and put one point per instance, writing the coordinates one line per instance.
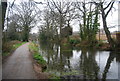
(50, 26)
(62, 8)
(88, 13)
(104, 17)
(12, 32)
(27, 14)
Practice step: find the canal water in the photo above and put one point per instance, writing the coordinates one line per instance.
(84, 63)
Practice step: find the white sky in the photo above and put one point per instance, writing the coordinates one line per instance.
(112, 18)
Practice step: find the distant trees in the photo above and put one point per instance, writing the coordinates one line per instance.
(21, 20)
(60, 13)
(12, 33)
(13, 29)
(48, 30)
(26, 13)
(62, 9)
(57, 16)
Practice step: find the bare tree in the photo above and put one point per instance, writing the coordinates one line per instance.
(62, 8)
(27, 14)
(104, 16)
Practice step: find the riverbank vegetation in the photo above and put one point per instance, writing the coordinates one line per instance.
(36, 55)
(76, 43)
(40, 64)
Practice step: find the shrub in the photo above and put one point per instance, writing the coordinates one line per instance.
(10, 46)
(39, 58)
(74, 41)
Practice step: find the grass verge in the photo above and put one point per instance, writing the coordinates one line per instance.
(39, 63)
(36, 55)
(18, 45)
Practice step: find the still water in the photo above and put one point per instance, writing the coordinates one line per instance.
(91, 64)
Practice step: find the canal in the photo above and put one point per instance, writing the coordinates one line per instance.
(82, 63)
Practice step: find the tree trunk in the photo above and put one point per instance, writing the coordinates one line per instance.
(4, 6)
(107, 32)
(107, 67)
(60, 27)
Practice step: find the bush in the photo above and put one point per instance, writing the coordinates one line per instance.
(10, 46)
(39, 58)
(42, 36)
(74, 41)
(6, 47)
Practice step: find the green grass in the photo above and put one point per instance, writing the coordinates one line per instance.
(18, 45)
(39, 58)
(36, 55)
(33, 47)
(54, 77)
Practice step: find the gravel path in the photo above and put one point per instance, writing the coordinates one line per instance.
(19, 65)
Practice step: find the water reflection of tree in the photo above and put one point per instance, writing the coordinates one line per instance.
(66, 52)
(107, 67)
(57, 57)
(89, 65)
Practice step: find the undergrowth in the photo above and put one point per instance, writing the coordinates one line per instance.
(10, 46)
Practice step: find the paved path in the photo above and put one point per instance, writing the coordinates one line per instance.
(19, 65)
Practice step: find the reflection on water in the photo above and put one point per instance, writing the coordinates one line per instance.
(90, 64)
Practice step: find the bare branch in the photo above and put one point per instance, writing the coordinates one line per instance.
(109, 9)
(107, 6)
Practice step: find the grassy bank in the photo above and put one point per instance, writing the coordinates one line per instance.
(18, 45)
(77, 43)
(10, 46)
(39, 62)
(36, 55)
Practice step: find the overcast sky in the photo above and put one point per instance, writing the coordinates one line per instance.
(112, 18)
